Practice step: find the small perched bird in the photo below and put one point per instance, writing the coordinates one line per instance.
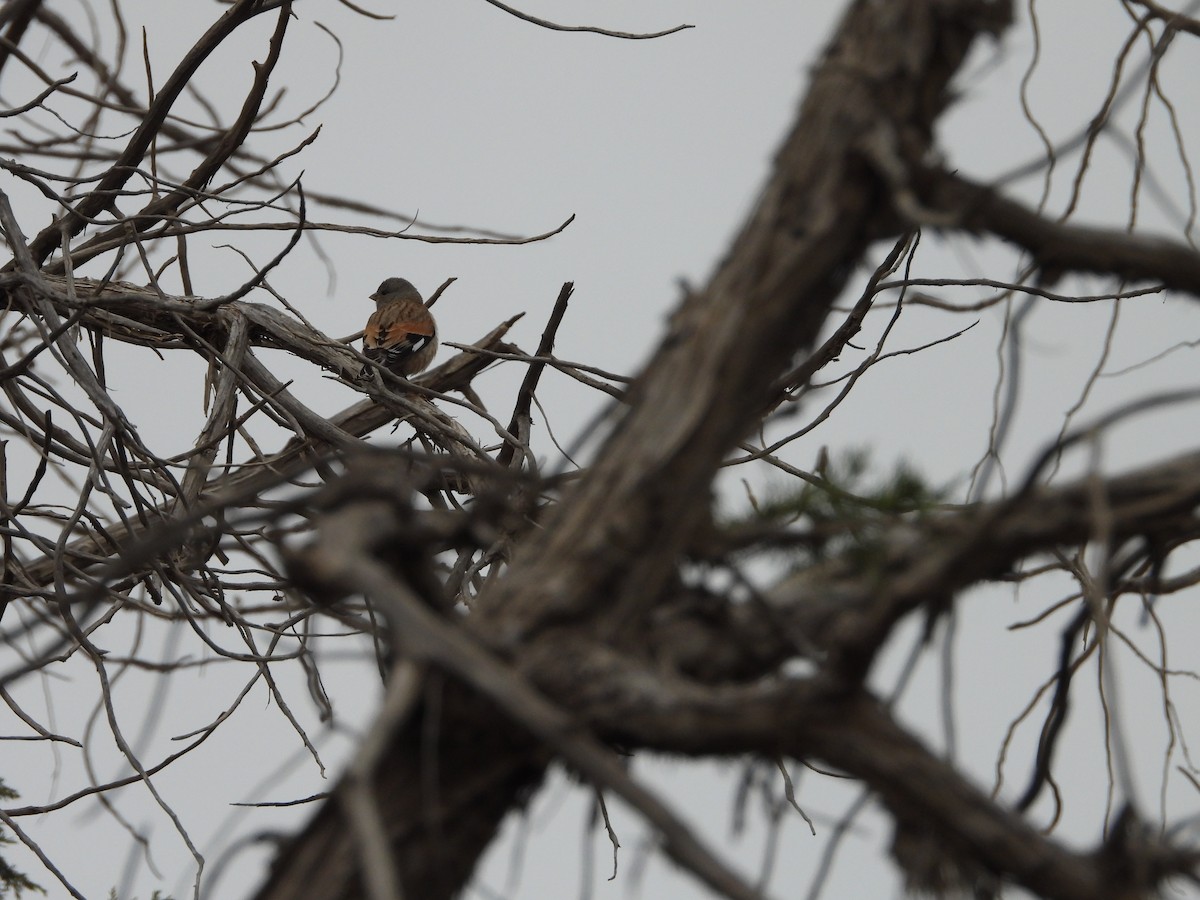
(400, 335)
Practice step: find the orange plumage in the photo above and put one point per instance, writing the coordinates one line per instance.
(401, 334)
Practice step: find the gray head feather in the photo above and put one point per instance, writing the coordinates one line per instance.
(394, 288)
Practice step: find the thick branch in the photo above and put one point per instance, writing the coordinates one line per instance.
(930, 563)
(815, 720)
(1057, 247)
(613, 544)
(607, 551)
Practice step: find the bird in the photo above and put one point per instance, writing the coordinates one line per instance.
(400, 335)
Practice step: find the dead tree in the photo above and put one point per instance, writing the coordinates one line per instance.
(525, 616)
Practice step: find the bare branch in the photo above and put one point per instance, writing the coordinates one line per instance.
(1058, 248)
(589, 28)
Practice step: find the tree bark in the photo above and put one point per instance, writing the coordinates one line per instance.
(610, 549)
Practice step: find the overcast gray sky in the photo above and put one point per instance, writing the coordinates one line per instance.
(459, 114)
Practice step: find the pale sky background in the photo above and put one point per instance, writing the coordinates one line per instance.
(467, 116)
